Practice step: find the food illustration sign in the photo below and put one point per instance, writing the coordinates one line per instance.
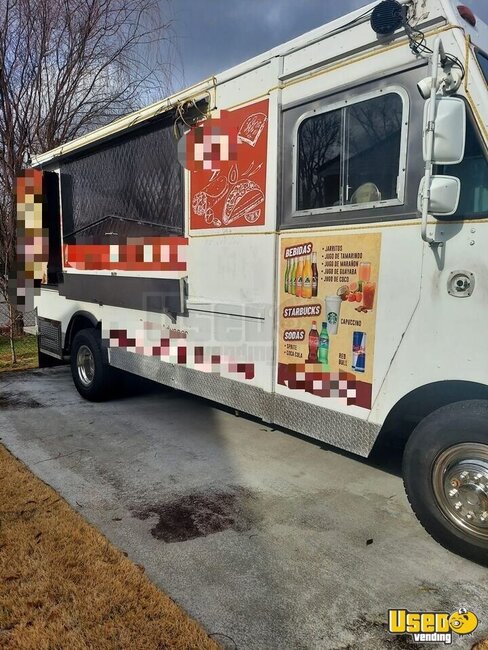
(228, 168)
(328, 315)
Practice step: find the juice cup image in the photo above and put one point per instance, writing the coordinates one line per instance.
(364, 271)
(369, 290)
(333, 312)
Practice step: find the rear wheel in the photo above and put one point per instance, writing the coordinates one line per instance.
(91, 375)
(445, 470)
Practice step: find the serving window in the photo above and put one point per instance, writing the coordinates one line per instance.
(351, 156)
(131, 186)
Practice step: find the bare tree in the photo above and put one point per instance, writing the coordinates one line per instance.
(68, 66)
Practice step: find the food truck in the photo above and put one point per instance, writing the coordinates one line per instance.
(302, 238)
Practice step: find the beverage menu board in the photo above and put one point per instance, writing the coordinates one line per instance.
(327, 315)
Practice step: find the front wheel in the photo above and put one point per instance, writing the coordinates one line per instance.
(445, 472)
(91, 375)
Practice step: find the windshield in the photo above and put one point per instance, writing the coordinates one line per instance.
(483, 61)
(473, 174)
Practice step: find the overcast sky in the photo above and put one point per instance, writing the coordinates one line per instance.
(213, 35)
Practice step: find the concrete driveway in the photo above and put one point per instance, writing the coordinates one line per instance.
(269, 540)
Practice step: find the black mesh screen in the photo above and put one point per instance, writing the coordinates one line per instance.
(132, 185)
(51, 221)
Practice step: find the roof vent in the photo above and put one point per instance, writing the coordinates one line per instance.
(387, 17)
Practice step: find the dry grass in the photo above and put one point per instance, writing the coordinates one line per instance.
(64, 586)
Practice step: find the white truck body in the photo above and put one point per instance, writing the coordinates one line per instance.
(422, 334)
(230, 338)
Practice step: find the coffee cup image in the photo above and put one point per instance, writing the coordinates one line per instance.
(333, 312)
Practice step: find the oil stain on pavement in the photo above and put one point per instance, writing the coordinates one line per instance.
(18, 401)
(199, 514)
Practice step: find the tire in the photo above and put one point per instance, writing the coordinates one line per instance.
(445, 473)
(91, 374)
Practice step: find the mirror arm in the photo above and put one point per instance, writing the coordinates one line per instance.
(437, 55)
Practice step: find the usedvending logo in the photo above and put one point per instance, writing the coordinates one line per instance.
(432, 627)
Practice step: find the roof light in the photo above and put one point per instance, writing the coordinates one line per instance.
(467, 15)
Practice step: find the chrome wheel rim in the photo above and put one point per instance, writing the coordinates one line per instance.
(85, 362)
(460, 482)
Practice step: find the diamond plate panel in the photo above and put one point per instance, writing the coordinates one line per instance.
(137, 177)
(337, 429)
(212, 386)
(50, 336)
(334, 428)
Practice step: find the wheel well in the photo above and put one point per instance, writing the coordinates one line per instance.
(418, 404)
(79, 321)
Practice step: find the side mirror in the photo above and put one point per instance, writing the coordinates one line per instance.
(449, 133)
(445, 192)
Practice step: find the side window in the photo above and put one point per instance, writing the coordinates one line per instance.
(483, 61)
(350, 157)
(473, 174)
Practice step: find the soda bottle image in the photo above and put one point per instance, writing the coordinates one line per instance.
(313, 343)
(323, 351)
(307, 278)
(292, 283)
(315, 275)
(287, 276)
(359, 351)
(299, 278)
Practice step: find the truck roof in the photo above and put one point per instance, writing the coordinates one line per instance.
(203, 88)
